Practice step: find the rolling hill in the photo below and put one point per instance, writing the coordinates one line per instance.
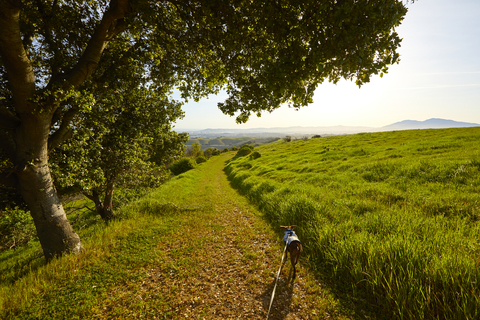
(299, 131)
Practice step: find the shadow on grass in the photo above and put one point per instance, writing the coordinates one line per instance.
(15, 264)
(355, 303)
(282, 299)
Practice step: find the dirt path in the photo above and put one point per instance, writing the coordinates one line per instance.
(221, 263)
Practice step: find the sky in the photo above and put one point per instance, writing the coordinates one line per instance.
(438, 77)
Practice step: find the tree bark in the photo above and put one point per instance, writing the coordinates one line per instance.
(108, 202)
(29, 130)
(55, 233)
(104, 209)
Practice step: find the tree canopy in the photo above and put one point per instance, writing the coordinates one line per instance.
(57, 56)
(126, 140)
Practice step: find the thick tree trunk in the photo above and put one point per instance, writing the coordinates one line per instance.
(55, 233)
(35, 183)
(30, 125)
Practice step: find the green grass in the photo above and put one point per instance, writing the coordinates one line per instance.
(389, 220)
(179, 250)
(105, 278)
(392, 218)
(228, 142)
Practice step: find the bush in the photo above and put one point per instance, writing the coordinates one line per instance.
(200, 159)
(287, 138)
(255, 155)
(244, 150)
(16, 228)
(182, 165)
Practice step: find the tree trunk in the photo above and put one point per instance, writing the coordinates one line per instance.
(104, 209)
(108, 203)
(30, 125)
(35, 183)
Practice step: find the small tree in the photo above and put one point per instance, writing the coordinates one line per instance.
(182, 165)
(116, 146)
(196, 150)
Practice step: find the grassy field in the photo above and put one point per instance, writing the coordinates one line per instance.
(193, 248)
(389, 223)
(392, 218)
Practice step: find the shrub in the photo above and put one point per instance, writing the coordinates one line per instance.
(255, 155)
(182, 165)
(16, 228)
(244, 150)
(200, 159)
(287, 138)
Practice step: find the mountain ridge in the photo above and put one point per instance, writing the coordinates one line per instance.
(432, 123)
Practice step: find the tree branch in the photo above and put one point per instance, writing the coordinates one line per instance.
(18, 66)
(112, 24)
(47, 34)
(64, 132)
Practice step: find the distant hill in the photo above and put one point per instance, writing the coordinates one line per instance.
(433, 123)
(298, 131)
(228, 142)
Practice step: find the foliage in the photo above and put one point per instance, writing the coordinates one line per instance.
(211, 152)
(244, 150)
(16, 228)
(287, 138)
(182, 165)
(200, 159)
(196, 150)
(255, 155)
(392, 217)
(113, 146)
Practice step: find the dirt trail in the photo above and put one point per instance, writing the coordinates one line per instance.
(221, 263)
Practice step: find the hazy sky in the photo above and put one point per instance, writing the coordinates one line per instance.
(438, 77)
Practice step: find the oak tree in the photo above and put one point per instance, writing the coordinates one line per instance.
(55, 55)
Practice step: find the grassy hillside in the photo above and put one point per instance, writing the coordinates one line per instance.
(227, 142)
(391, 217)
(194, 248)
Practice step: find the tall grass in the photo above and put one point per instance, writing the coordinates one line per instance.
(392, 217)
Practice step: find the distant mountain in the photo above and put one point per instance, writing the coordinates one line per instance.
(297, 132)
(279, 131)
(433, 123)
